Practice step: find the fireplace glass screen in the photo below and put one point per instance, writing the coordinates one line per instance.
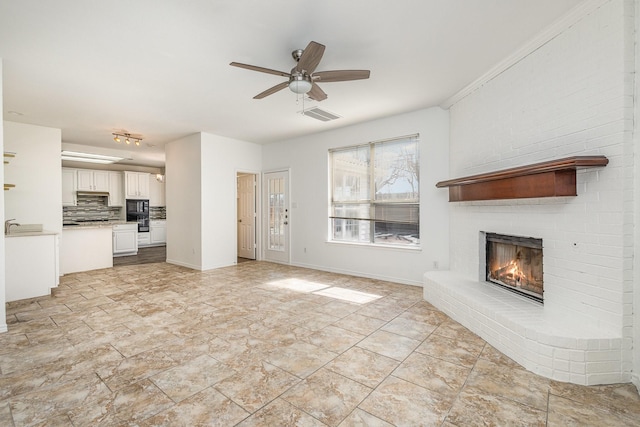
(516, 264)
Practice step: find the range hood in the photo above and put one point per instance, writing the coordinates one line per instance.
(92, 193)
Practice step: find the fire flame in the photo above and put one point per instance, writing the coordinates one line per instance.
(512, 271)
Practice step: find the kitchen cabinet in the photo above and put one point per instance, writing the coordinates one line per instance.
(116, 188)
(158, 232)
(144, 239)
(69, 186)
(125, 239)
(136, 185)
(93, 180)
(156, 191)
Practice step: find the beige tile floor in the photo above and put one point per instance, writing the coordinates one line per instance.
(261, 344)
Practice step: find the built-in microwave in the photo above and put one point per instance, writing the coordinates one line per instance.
(138, 211)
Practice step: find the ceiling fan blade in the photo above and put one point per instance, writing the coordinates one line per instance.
(311, 57)
(316, 93)
(271, 90)
(260, 69)
(341, 75)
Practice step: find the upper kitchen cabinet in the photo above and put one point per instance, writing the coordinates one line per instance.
(69, 186)
(116, 188)
(156, 191)
(136, 185)
(93, 180)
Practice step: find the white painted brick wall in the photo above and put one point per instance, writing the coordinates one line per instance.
(572, 96)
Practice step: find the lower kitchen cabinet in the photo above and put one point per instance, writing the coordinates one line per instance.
(158, 231)
(144, 239)
(125, 239)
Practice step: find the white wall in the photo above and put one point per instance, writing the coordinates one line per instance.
(307, 157)
(222, 158)
(184, 206)
(37, 197)
(3, 312)
(569, 97)
(635, 375)
(201, 198)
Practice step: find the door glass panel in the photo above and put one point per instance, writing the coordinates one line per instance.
(277, 214)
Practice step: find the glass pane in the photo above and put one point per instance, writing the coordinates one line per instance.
(275, 234)
(350, 174)
(396, 233)
(397, 212)
(396, 170)
(354, 211)
(351, 230)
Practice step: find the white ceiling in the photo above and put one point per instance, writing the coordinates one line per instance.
(160, 69)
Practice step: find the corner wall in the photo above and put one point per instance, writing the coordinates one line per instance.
(3, 310)
(183, 187)
(307, 158)
(201, 203)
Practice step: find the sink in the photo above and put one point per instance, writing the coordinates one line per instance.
(25, 228)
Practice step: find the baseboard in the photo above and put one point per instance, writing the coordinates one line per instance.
(184, 264)
(358, 274)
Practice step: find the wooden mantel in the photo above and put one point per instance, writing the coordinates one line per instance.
(547, 179)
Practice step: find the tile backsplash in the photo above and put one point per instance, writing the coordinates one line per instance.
(91, 208)
(158, 212)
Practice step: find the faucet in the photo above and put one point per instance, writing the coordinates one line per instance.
(8, 224)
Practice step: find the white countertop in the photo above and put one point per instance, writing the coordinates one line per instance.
(96, 224)
(32, 233)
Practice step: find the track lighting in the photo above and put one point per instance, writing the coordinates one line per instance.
(128, 138)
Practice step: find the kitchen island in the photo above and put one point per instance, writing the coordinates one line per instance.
(86, 247)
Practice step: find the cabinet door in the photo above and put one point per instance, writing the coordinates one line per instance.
(131, 184)
(156, 191)
(85, 180)
(69, 187)
(143, 185)
(101, 180)
(125, 241)
(158, 234)
(116, 189)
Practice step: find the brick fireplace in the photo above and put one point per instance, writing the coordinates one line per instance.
(568, 97)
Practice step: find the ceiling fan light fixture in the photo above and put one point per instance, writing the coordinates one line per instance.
(299, 84)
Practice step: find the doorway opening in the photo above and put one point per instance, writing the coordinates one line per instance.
(246, 216)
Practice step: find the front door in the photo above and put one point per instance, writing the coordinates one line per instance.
(277, 216)
(246, 216)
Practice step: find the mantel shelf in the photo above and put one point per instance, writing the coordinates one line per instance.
(546, 179)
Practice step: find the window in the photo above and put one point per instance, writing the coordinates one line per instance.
(375, 193)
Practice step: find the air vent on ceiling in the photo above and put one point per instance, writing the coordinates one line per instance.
(320, 114)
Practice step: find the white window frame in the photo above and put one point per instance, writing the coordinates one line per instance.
(348, 221)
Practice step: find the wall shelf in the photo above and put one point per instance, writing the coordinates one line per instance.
(8, 155)
(546, 179)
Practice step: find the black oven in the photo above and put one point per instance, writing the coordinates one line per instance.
(138, 211)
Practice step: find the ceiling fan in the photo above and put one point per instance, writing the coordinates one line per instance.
(303, 78)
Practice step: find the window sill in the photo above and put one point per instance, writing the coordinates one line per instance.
(376, 246)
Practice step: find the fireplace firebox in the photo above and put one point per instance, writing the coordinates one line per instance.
(515, 263)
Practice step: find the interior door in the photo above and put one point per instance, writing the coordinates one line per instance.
(277, 216)
(247, 216)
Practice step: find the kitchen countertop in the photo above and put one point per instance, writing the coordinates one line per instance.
(95, 224)
(32, 233)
